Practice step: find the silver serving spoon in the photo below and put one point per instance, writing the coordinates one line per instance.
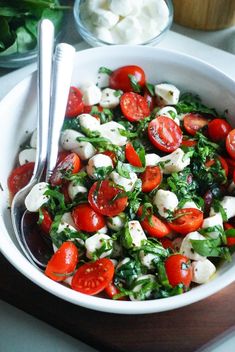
(50, 105)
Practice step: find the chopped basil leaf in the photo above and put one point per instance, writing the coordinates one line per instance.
(211, 248)
(134, 83)
(150, 88)
(106, 70)
(102, 172)
(192, 103)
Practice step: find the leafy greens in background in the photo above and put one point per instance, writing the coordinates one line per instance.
(19, 20)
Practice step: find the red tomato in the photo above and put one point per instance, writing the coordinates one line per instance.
(151, 178)
(178, 270)
(223, 163)
(165, 134)
(231, 166)
(20, 177)
(111, 290)
(230, 143)
(62, 155)
(188, 143)
(134, 107)
(131, 155)
(103, 198)
(87, 219)
(75, 104)
(119, 79)
(166, 243)
(91, 278)
(218, 129)
(157, 228)
(150, 99)
(194, 122)
(63, 262)
(188, 220)
(70, 163)
(112, 156)
(46, 222)
(230, 240)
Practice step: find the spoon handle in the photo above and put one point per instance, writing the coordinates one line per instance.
(46, 45)
(61, 78)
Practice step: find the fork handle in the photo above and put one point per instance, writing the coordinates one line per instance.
(61, 80)
(46, 48)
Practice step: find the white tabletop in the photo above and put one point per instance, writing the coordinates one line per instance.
(20, 332)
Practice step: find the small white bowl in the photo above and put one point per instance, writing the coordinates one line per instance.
(19, 106)
(93, 40)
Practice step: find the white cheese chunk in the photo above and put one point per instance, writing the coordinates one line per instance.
(96, 162)
(91, 95)
(228, 204)
(165, 201)
(174, 162)
(74, 189)
(95, 242)
(65, 226)
(105, 35)
(67, 217)
(36, 198)
(214, 220)
(157, 10)
(110, 130)
(122, 7)
(186, 247)
(103, 78)
(147, 259)
(127, 183)
(69, 141)
(136, 232)
(104, 18)
(152, 159)
(109, 98)
(128, 30)
(27, 156)
(170, 112)
(33, 139)
(88, 122)
(137, 290)
(190, 204)
(202, 271)
(117, 222)
(168, 93)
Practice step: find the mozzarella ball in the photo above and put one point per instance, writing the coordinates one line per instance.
(110, 131)
(202, 271)
(27, 156)
(174, 162)
(88, 122)
(91, 95)
(109, 98)
(96, 162)
(165, 201)
(74, 189)
(186, 247)
(136, 232)
(168, 93)
(152, 159)
(36, 198)
(117, 222)
(97, 241)
(127, 184)
(215, 220)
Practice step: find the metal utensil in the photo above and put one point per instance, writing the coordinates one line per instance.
(51, 110)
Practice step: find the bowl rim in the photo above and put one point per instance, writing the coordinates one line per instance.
(17, 259)
(91, 39)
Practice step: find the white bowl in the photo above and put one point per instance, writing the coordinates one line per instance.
(18, 115)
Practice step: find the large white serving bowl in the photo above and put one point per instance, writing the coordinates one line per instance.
(18, 118)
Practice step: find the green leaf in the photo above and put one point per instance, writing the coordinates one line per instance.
(134, 84)
(189, 103)
(106, 70)
(150, 88)
(211, 248)
(25, 40)
(124, 169)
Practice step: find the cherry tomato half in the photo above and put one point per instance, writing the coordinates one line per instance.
(187, 220)
(87, 219)
(103, 197)
(218, 129)
(20, 177)
(178, 270)
(91, 278)
(134, 107)
(111, 290)
(132, 156)
(165, 134)
(151, 178)
(188, 143)
(194, 122)
(70, 163)
(63, 262)
(154, 227)
(119, 79)
(75, 103)
(230, 143)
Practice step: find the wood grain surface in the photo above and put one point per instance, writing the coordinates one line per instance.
(182, 330)
(204, 14)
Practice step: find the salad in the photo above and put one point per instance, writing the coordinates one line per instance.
(140, 204)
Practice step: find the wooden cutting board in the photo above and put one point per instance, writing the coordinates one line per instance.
(182, 330)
